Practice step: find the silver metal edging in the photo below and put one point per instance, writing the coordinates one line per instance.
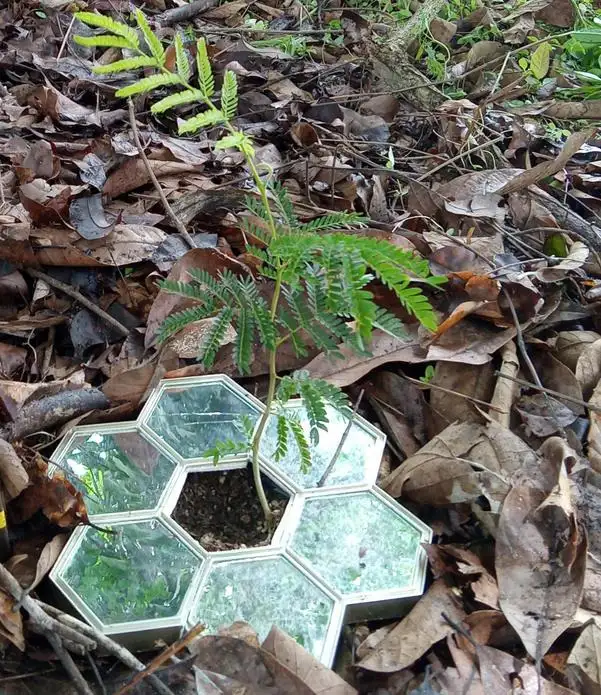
(248, 554)
(191, 382)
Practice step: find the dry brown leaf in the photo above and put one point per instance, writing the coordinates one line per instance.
(540, 557)
(48, 557)
(588, 368)
(186, 344)
(468, 343)
(12, 472)
(475, 381)
(133, 174)
(463, 462)
(287, 652)
(569, 345)
(210, 259)
(11, 623)
(584, 661)
(417, 632)
(594, 433)
(506, 390)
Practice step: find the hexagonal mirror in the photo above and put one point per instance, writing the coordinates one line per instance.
(130, 572)
(264, 592)
(357, 542)
(357, 463)
(190, 418)
(116, 468)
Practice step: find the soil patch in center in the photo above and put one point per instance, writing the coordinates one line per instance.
(221, 509)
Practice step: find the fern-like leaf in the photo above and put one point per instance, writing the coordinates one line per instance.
(229, 95)
(414, 300)
(229, 447)
(110, 25)
(281, 446)
(202, 120)
(175, 322)
(152, 40)
(188, 96)
(243, 344)
(148, 84)
(389, 323)
(103, 41)
(126, 64)
(302, 444)
(335, 220)
(182, 63)
(239, 140)
(206, 81)
(212, 343)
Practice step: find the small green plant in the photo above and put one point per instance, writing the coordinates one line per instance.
(428, 375)
(319, 276)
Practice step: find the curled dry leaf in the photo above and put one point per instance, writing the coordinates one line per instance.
(544, 415)
(288, 653)
(588, 368)
(584, 661)
(540, 557)
(569, 345)
(12, 472)
(11, 622)
(468, 343)
(594, 433)
(463, 462)
(423, 627)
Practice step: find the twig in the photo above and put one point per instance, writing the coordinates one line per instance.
(184, 13)
(78, 296)
(462, 631)
(343, 439)
(551, 392)
(179, 225)
(436, 387)
(520, 339)
(459, 156)
(158, 661)
(69, 665)
(64, 43)
(125, 656)
(210, 29)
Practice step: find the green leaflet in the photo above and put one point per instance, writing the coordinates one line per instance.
(147, 84)
(110, 25)
(206, 81)
(125, 65)
(202, 120)
(181, 59)
(188, 96)
(152, 40)
(229, 95)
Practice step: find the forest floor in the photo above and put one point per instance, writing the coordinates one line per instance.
(469, 138)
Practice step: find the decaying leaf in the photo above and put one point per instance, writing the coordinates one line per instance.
(12, 472)
(540, 558)
(417, 632)
(11, 622)
(463, 462)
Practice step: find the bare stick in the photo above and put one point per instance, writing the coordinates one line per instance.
(185, 13)
(78, 296)
(179, 225)
(343, 439)
(121, 653)
(436, 387)
(551, 392)
(69, 665)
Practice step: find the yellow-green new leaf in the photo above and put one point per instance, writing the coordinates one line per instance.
(126, 64)
(152, 40)
(188, 96)
(147, 84)
(110, 25)
(206, 81)
(181, 58)
(103, 41)
(202, 120)
(229, 95)
(541, 61)
(238, 140)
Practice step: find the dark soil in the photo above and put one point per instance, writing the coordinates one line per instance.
(221, 510)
